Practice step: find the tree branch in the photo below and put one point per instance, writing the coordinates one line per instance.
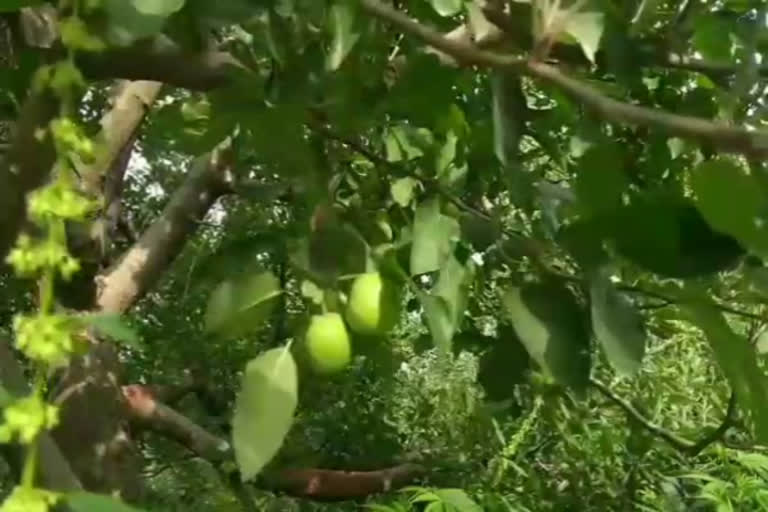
(143, 264)
(681, 444)
(162, 60)
(312, 483)
(726, 138)
(27, 164)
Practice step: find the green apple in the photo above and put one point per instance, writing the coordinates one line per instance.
(373, 307)
(327, 343)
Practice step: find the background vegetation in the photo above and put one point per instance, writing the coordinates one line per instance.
(571, 198)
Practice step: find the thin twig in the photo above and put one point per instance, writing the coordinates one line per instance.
(726, 138)
(679, 443)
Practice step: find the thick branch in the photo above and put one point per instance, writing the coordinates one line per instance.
(313, 483)
(683, 445)
(162, 60)
(118, 128)
(26, 165)
(719, 135)
(144, 263)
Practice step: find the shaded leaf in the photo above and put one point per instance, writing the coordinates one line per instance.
(736, 359)
(15, 5)
(711, 37)
(550, 323)
(238, 306)
(342, 19)
(618, 326)
(668, 236)
(89, 502)
(600, 178)
(503, 366)
(113, 326)
(264, 409)
(434, 235)
(337, 250)
(127, 24)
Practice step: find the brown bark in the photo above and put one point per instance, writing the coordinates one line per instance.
(311, 483)
(26, 166)
(55, 471)
(101, 450)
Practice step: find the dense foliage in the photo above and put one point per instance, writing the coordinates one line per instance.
(441, 255)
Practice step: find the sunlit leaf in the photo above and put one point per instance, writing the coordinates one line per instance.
(434, 236)
(89, 502)
(509, 106)
(158, 7)
(437, 314)
(618, 326)
(264, 409)
(732, 202)
(342, 19)
(457, 500)
(587, 29)
(402, 190)
(239, 306)
(447, 7)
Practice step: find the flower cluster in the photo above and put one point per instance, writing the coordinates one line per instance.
(25, 418)
(45, 338)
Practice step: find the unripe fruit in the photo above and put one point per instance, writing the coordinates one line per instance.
(328, 343)
(374, 305)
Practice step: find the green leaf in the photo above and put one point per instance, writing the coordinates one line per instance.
(618, 326)
(453, 286)
(15, 5)
(6, 398)
(600, 178)
(551, 325)
(402, 190)
(113, 326)
(457, 500)
(264, 409)
(89, 502)
(447, 7)
(158, 7)
(503, 366)
(127, 24)
(509, 110)
(437, 313)
(238, 306)
(732, 202)
(342, 18)
(434, 235)
(587, 29)
(711, 37)
(337, 250)
(736, 359)
(668, 236)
